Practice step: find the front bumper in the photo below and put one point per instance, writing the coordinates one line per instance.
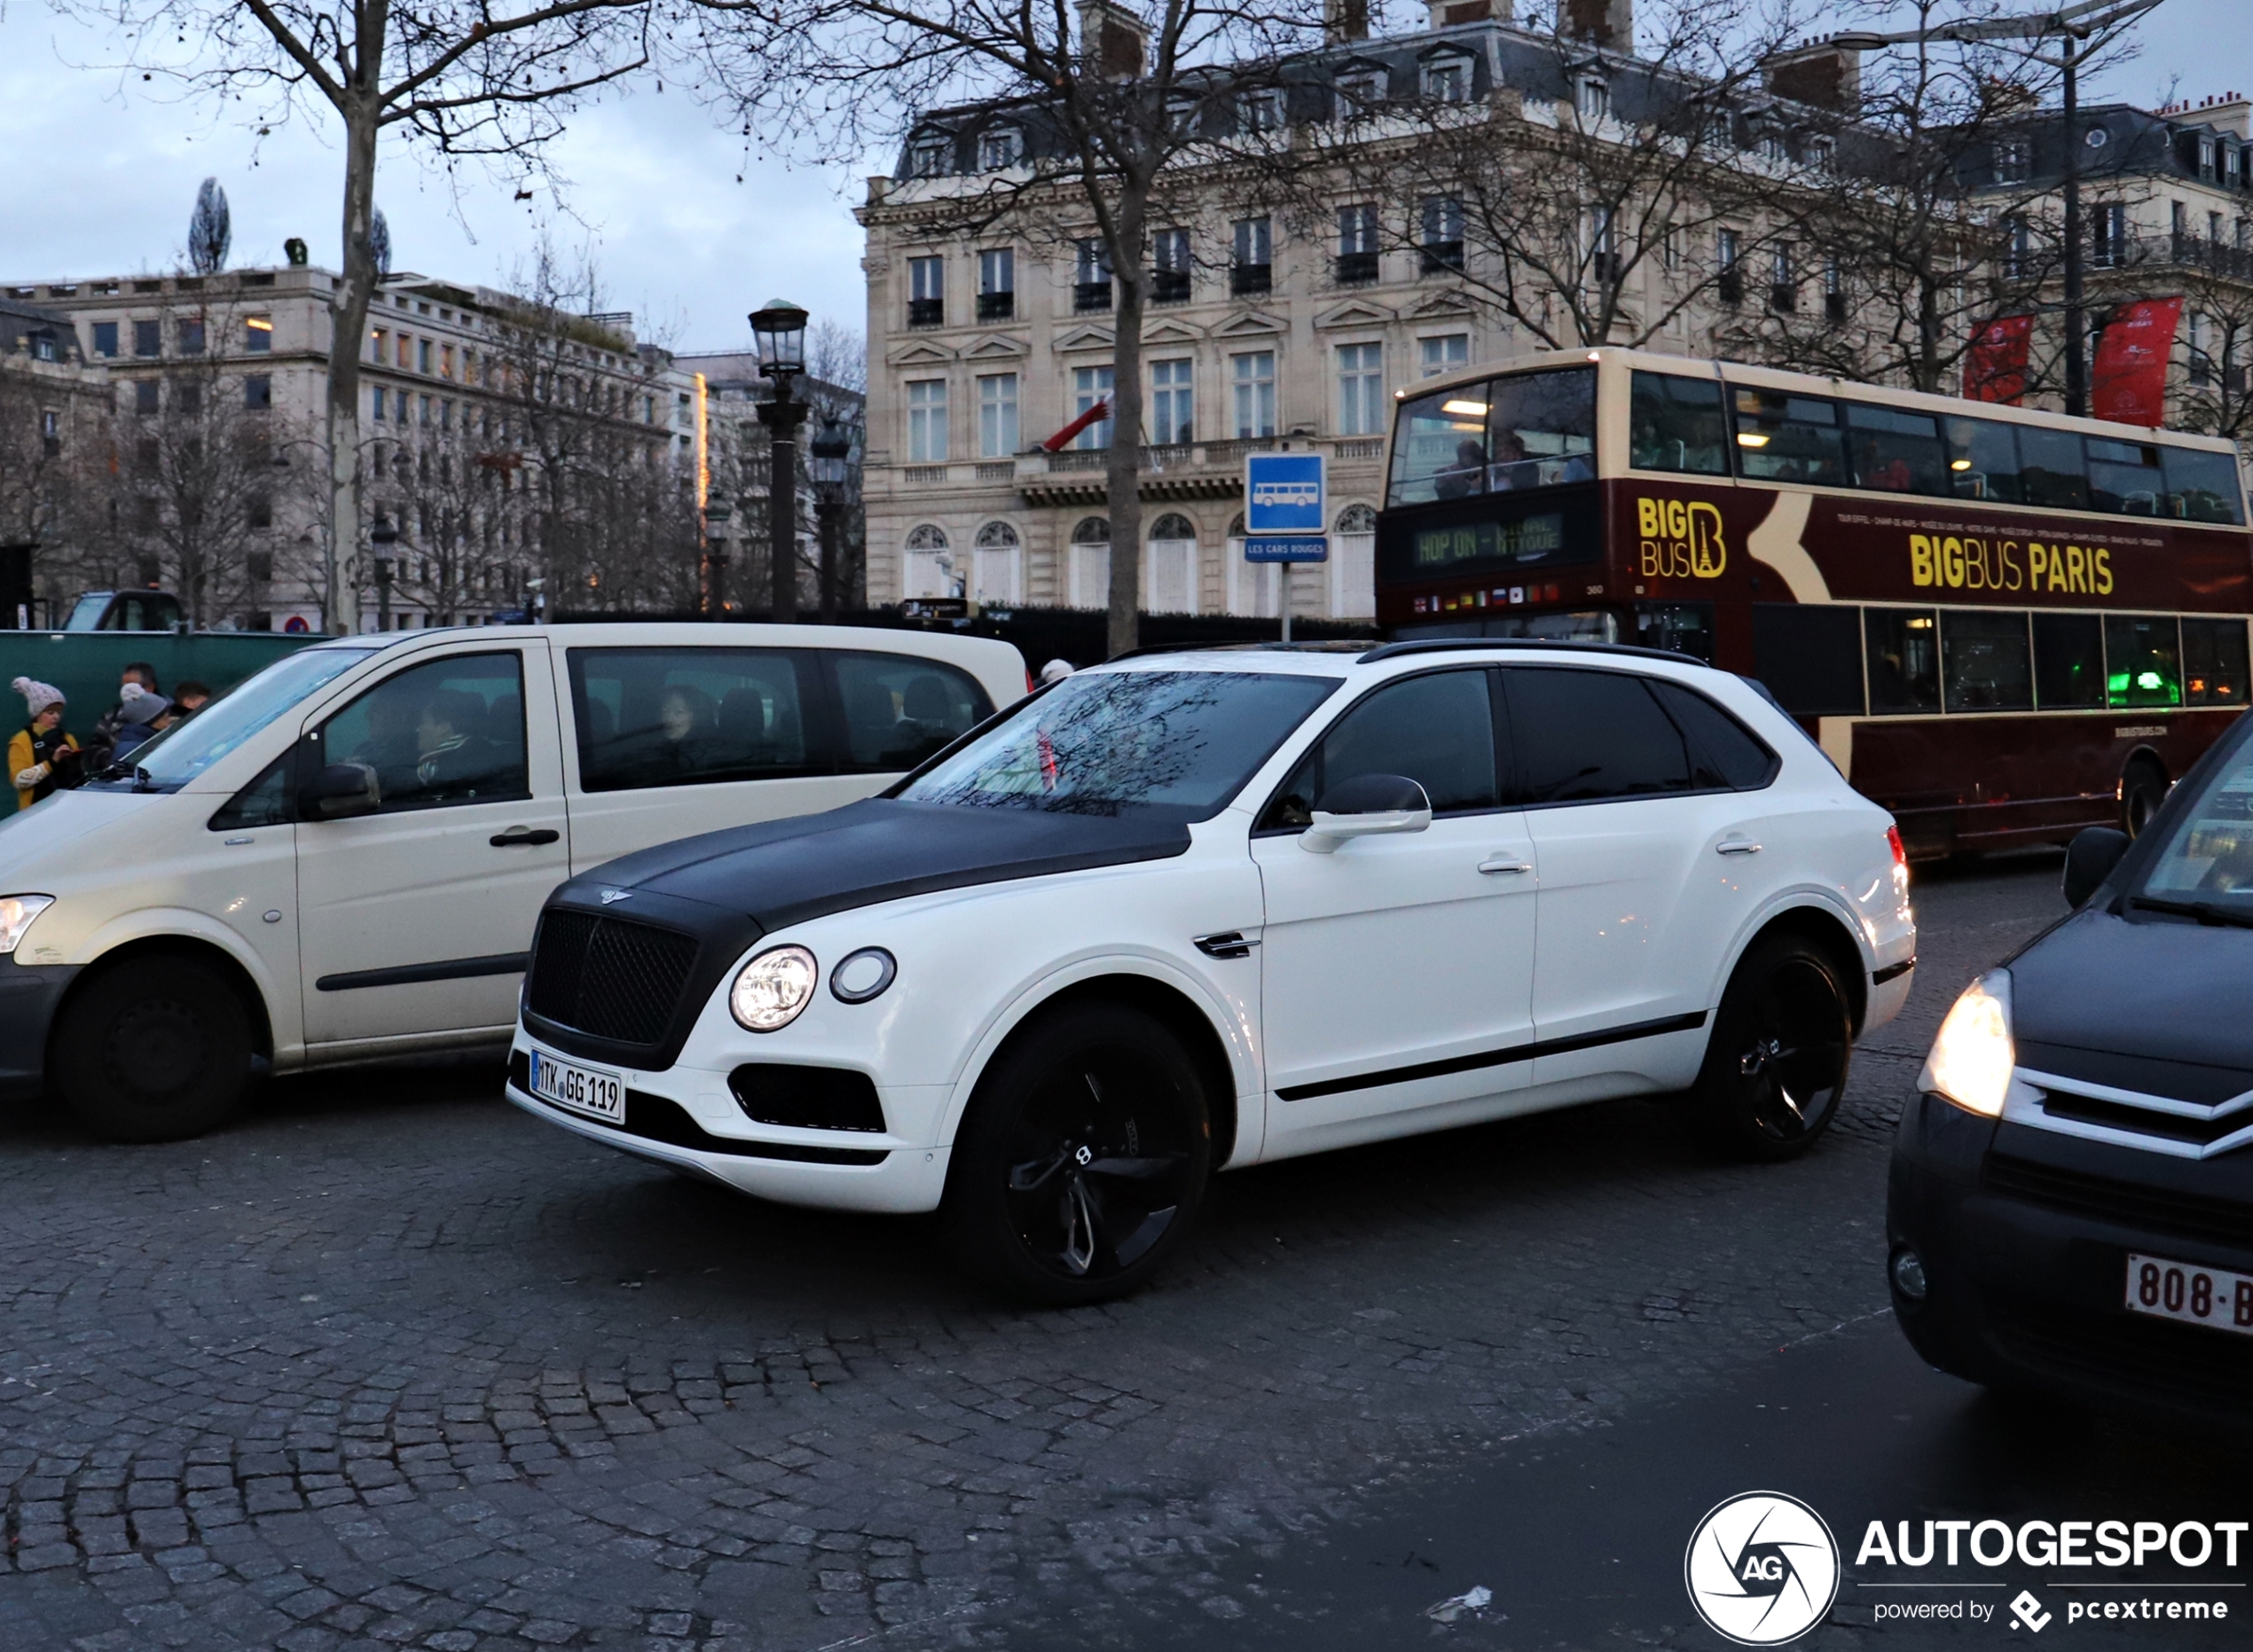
(2025, 1233)
(30, 996)
(686, 1117)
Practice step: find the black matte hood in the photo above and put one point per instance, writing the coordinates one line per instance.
(785, 872)
(2153, 1005)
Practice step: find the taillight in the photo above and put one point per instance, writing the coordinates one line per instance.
(1028, 684)
(1893, 843)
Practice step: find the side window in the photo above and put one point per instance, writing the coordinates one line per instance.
(1676, 424)
(1724, 752)
(1585, 736)
(1895, 451)
(1437, 730)
(1985, 662)
(2214, 662)
(1984, 459)
(2068, 660)
(2124, 476)
(1904, 649)
(443, 735)
(2201, 487)
(688, 717)
(1789, 438)
(1809, 656)
(269, 801)
(2142, 660)
(2051, 469)
(900, 709)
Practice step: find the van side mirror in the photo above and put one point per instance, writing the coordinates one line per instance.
(2089, 861)
(340, 792)
(1365, 806)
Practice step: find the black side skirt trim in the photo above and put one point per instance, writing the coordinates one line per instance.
(1496, 1057)
(1892, 972)
(409, 974)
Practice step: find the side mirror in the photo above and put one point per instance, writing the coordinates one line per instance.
(1364, 807)
(341, 791)
(2089, 861)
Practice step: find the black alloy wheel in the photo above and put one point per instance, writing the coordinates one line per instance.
(1082, 1160)
(155, 1048)
(1776, 1066)
(2143, 787)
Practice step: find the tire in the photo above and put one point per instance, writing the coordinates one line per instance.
(2143, 787)
(157, 1048)
(1082, 1160)
(1776, 1065)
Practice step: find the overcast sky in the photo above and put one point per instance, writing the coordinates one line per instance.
(103, 176)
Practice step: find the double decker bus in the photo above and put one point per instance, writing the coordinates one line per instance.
(2001, 624)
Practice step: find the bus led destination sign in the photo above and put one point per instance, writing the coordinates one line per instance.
(1535, 539)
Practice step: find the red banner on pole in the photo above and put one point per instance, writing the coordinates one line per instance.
(1996, 369)
(2130, 383)
(1095, 415)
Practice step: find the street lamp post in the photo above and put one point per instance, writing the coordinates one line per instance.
(383, 537)
(2074, 24)
(830, 456)
(781, 330)
(718, 518)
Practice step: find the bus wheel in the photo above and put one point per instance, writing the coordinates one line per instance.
(2143, 787)
(156, 1048)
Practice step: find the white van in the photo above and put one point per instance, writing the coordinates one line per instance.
(342, 859)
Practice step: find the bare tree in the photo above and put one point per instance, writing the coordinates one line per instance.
(1106, 98)
(464, 78)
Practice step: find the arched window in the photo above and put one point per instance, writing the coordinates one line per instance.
(927, 570)
(998, 564)
(1351, 571)
(1236, 525)
(1089, 571)
(1357, 519)
(928, 537)
(1169, 578)
(1172, 524)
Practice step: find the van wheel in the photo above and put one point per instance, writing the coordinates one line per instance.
(1082, 1160)
(157, 1048)
(2142, 789)
(1776, 1066)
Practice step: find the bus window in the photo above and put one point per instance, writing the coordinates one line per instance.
(1896, 452)
(1905, 660)
(1677, 627)
(1440, 447)
(2201, 487)
(1789, 438)
(2052, 468)
(2068, 660)
(1542, 430)
(2214, 662)
(2142, 660)
(1986, 664)
(1982, 461)
(2124, 476)
(1809, 657)
(1676, 425)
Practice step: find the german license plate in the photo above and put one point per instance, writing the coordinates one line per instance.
(582, 1089)
(2196, 1295)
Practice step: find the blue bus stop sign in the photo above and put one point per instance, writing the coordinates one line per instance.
(1282, 493)
(1287, 548)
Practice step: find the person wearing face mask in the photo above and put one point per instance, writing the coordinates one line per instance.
(42, 759)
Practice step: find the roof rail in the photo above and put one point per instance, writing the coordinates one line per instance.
(1311, 645)
(1447, 644)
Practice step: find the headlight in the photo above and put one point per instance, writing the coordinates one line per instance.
(16, 914)
(772, 988)
(1971, 1060)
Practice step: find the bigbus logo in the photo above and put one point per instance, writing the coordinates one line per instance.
(1967, 562)
(1682, 539)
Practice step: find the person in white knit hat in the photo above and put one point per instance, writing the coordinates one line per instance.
(42, 757)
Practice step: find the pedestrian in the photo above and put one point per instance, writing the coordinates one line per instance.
(42, 759)
(141, 715)
(1056, 671)
(102, 744)
(190, 698)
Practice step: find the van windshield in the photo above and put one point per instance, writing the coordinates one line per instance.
(187, 749)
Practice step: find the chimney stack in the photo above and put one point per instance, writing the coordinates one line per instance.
(1608, 25)
(1112, 41)
(1820, 74)
(1344, 21)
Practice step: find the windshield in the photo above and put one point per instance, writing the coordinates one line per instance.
(2206, 861)
(1529, 430)
(1176, 743)
(87, 613)
(187, 750)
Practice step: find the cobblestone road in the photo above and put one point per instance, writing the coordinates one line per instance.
(392, 1365)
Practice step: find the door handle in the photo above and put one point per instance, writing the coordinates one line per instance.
(1504, 863)
(517, 837)
(1736, 846)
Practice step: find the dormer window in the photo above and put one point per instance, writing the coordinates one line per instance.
(999, 148)
(1360, 93)
(1822, 153)
(1592, 97)
(2013, 160)
(1776, 147)
(1447, 79)
(930, 156)
(1262, 110)
(2206, 157)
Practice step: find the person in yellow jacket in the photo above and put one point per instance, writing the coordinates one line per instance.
(42, 757)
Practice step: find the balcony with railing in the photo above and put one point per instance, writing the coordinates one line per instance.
(1250, 280)
(1442, 257)
(1169, 286)
(1088, 297)
(996, 306)
(926, 312)
(1177, 470)
(2182, 250)
(1357, 269)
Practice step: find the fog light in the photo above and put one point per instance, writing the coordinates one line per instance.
(1908, 1271)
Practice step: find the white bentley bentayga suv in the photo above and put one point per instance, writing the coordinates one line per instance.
(1193, 910)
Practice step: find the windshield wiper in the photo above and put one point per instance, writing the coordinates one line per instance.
(2205, 911)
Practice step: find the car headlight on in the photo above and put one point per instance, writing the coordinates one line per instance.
(16, 914)
(1971, 1060)
(772, 988)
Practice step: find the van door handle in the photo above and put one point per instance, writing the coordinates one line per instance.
(1504, 863)
(1736, 846)
(517, 837)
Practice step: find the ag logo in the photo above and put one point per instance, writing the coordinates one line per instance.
(1762, 1568)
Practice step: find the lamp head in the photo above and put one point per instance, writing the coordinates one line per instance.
(780, 328)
